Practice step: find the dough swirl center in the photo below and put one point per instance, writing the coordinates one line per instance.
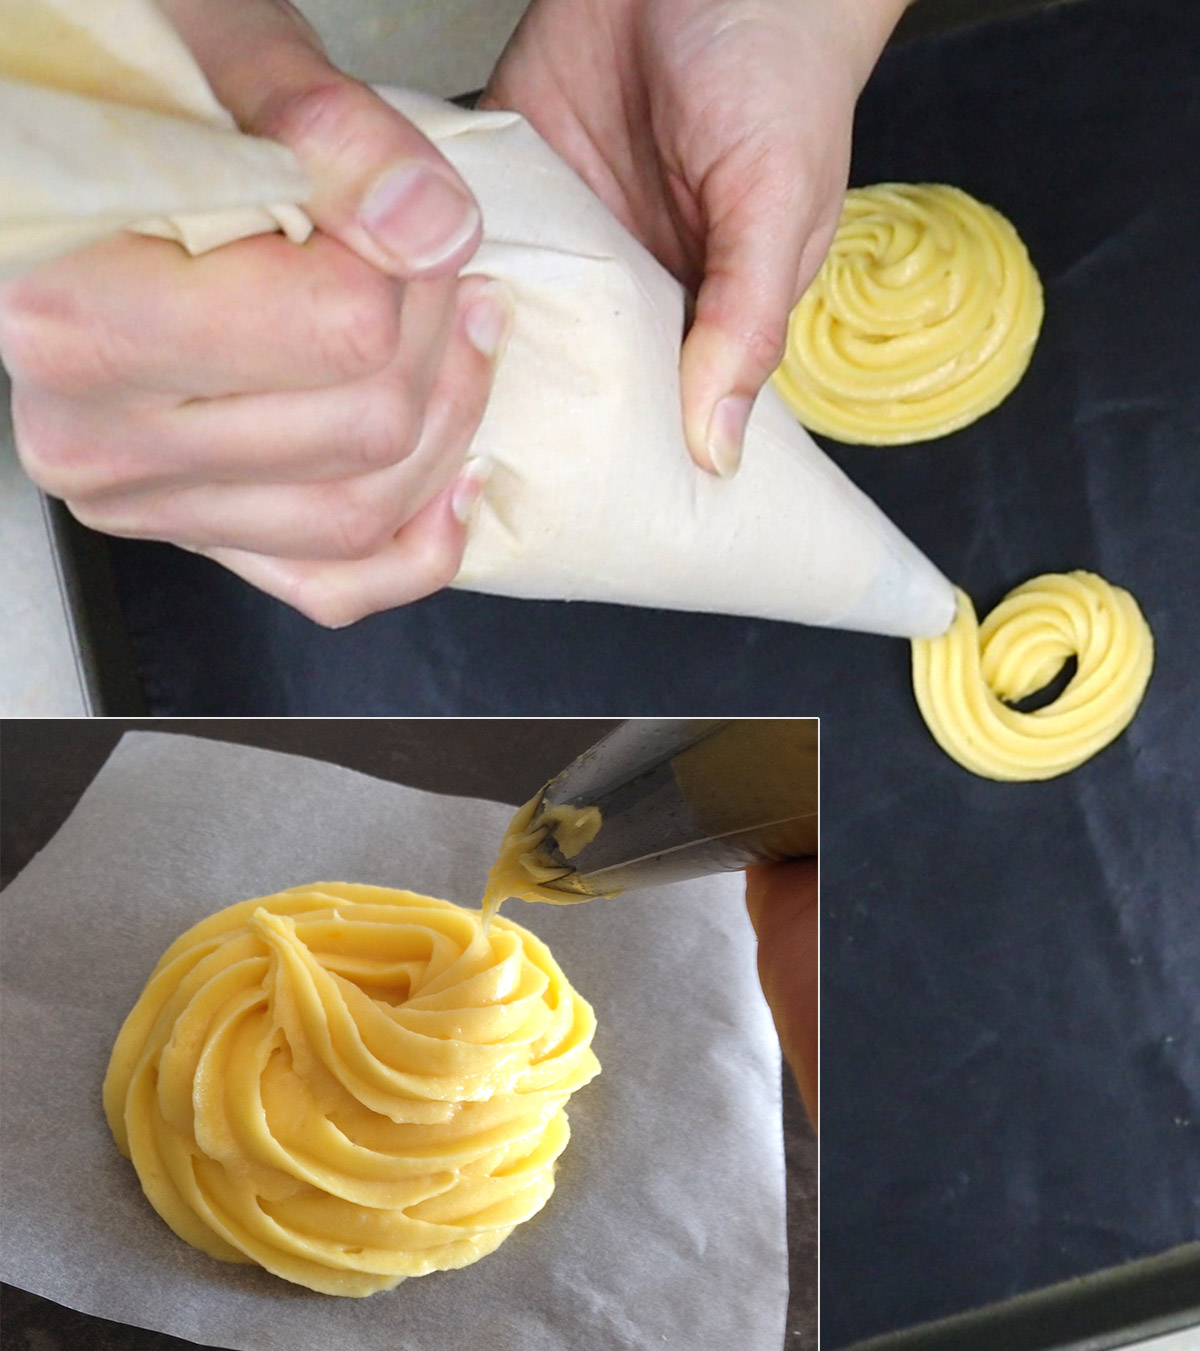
(922, 318)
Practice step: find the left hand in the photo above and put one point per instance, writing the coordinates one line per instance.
(299, 414)
(718, 132)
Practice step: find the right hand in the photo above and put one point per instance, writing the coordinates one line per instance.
(782, 901)
(718, 132)
(301, 414)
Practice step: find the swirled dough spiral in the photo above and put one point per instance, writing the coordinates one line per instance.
(922, 318)
(349, 1085)
(966, 679)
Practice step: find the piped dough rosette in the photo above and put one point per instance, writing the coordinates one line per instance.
(923, 317)
(349, 1085)
(966, 680)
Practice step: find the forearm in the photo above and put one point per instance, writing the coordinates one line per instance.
(864, 27)
(868, 23)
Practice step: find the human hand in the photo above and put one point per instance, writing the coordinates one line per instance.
(718, 132)
(299, 414)
(782, 901)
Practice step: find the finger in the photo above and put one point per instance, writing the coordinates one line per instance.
(380, 186)
(782, 901)
(426, 400)
(325, 434)
(138, 315)
(751, 266)
(422, 558)
(463, 384)
(350, 518)
(78, 450)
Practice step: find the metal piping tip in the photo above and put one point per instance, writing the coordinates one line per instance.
(680, 798)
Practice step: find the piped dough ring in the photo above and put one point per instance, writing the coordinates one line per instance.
(965, 680)
(922, 318)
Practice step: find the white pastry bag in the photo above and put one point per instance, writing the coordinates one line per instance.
(106, 123)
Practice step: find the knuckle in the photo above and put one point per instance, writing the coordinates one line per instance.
(384, 429)
(43, 451)
(435, 565)
(766, 341)
(89, 514)
(463, 404)
(46, 343)
(325, 117)
(330, 608)
(71, 457)
(23, 334)
(34, 336)
(320, 594)
(110, 516)
(56, 456)
(359, 324)
(359, 524)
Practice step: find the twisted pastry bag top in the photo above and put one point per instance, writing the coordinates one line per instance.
(106, 121)
(349, 1085)
(923, 318)
(961, 679)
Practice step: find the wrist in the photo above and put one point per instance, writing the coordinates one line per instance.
(857, 28)
(871, 23)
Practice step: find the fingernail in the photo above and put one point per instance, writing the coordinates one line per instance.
(488, 320)
(418, 215)
(469, 486)
(727, 432)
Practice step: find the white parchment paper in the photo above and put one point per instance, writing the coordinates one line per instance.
(667, 1225)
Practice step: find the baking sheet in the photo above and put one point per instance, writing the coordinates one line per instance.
(1011, 973)
(667, 1224)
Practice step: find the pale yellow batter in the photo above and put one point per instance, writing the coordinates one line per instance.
(349, 1085)
(963, 679)
(923, 318)
(520, 871)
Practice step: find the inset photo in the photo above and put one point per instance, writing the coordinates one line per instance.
(379, 1034)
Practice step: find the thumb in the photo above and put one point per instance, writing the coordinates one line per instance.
(380, 187)
(751, 269)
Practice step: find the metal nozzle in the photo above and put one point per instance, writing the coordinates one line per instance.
(681, 798)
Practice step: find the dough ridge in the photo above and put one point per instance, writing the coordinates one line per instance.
(966, 681)
(349, 1085)
(923, 317)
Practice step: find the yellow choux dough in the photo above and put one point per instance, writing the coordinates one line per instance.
(922, 318)
(520, 871)
(349, 1085)
(963, 678)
